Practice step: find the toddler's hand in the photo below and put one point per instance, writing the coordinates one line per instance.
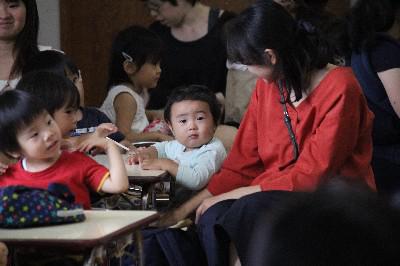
(68, 144)
(137, 155)
(93, 142)
(151, 164)
(105, 129)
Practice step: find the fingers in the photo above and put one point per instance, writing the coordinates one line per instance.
(3, 168)
(106, 129)
(199, 212)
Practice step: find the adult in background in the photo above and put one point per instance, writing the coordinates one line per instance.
(18, 38)
(375, 59)
(307, 122)
(19, 25)
(194, 50)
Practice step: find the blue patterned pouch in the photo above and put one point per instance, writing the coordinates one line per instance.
(22, 206)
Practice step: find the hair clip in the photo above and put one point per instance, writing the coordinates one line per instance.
(127, 57)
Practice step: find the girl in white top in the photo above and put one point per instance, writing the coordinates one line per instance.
(134, 67)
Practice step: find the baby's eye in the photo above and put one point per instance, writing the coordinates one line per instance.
(35, 134)
(200, 118)
(182, 121)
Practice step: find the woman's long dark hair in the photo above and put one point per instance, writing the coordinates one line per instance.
(26, 44)
(267, 25)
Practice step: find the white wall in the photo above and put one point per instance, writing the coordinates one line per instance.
(49, 17)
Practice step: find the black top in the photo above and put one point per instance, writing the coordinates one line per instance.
(202, 61)
(385, 56)
(91, 118)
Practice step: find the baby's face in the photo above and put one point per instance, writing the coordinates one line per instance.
(192, 123)
(41, 140)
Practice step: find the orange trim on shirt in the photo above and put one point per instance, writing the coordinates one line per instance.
(107, 175)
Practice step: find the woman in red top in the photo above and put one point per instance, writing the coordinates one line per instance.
(307, 122)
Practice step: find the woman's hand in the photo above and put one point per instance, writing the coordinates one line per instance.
(171, 218)
(207, 203)
(234, 194)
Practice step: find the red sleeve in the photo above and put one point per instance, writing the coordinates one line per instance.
(243, 163)
(95, 173)
(342, 138)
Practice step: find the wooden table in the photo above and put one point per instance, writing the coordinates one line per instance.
(146, 179)
(100, 231)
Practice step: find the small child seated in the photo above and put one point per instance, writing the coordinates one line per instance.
(192, 113)
(134, 68)
(60, 64)
(29, 132)
(61, 99)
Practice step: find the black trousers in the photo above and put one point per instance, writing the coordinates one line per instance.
(236, 221)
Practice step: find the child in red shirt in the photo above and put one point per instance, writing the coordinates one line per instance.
(28, 131)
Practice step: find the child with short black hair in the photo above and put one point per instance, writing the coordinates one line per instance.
(28, 131)
(59, 63)
(192, 113)
(61, 99)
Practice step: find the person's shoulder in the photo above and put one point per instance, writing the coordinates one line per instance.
(385, 54)
(341, 81)
(119, 88)
(214, 145)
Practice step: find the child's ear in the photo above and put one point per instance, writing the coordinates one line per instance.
(170, 128)
(129, 67)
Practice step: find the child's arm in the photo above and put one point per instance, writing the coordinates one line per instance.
(5, 161)
(125, 110)
(118, 180)
(194, 172)
(155, 114)
(89, 141)
(161, 164)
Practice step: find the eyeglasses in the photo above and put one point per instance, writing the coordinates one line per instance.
(287, 120)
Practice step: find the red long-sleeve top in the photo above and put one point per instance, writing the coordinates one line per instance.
(332, 127)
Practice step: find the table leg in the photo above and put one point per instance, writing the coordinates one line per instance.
(139, 247)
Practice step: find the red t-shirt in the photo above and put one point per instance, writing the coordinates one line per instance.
(75, 170)
(332, 127)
